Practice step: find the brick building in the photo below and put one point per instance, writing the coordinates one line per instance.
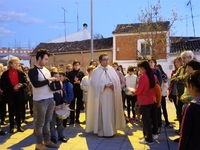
(129, 44)
(66, 52)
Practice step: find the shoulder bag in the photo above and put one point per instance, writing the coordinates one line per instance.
(137, 106)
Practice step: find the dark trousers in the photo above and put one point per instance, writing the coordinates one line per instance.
(179, 112)
(164, 109)
(14, 108)
(23, 110)
(146, 120)
(78, 96)
(154, 118)
(174, 97)
(123, 98)
(30, 101)
(131, 100)
(2, 110)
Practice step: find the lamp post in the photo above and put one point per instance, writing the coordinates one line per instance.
(91, 19)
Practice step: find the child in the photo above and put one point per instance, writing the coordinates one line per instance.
(68, 88)
(60, 100)
(131, 82)
(85, 84)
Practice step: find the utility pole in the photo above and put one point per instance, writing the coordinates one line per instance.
(64, 23)
(91, 19)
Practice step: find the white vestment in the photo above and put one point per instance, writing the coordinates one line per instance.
(104, 107)
(84, 86)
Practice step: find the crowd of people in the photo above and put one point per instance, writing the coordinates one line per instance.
(108, 95)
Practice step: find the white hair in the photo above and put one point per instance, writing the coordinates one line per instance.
(187, 53)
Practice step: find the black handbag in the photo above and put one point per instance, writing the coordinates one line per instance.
(55, 85)
(137, 106)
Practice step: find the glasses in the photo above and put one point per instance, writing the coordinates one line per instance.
(105, 59)
(185, 57)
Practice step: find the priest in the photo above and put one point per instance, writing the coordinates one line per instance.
(104, 109)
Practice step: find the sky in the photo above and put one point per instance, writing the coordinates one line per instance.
(26, 23)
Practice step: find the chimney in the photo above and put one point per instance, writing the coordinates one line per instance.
(84, 26)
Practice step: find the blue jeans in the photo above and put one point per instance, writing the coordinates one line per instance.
(59, 127)
(42, 112)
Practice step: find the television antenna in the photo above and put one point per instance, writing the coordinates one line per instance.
(64, 22)
(190, 3)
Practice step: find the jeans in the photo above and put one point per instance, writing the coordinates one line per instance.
(42, 112)
(59, 127)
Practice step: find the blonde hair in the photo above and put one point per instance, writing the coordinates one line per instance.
(90, 68)
(2, 70)
(11, 60)
(54, 69)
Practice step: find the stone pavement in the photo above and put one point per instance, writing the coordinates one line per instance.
(125, 139)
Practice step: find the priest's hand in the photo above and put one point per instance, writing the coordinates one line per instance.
(111, 87)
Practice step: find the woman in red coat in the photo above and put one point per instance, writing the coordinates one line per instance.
(145, 99)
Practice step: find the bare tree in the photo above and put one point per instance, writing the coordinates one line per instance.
(155, 31)
(98, 36)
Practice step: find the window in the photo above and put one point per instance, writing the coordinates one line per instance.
(144, 49)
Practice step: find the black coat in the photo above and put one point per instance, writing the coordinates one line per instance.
(8, 88)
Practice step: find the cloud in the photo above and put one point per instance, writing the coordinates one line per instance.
(18, 17)
(54, 27)
(5, 32)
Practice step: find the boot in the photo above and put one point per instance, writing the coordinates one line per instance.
(40, 147)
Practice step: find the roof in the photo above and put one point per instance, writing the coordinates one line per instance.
(142, 27)
(78, 36)
(105, 43)
(7, 56)
(185, 43)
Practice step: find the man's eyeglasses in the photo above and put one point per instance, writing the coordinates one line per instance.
(105, 59)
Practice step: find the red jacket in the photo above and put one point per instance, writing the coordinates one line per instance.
(142, 88)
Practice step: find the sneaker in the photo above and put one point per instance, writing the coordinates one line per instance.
(50, 144)
(145, 142)
(63, 139)
(20, 129)
(40, 147)
(155, 136)
(169, 126)
(141, 138)
(159, 130)
(177, 132)
(3, 123)
(176, 140)
(2, 132)
(54, 140)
